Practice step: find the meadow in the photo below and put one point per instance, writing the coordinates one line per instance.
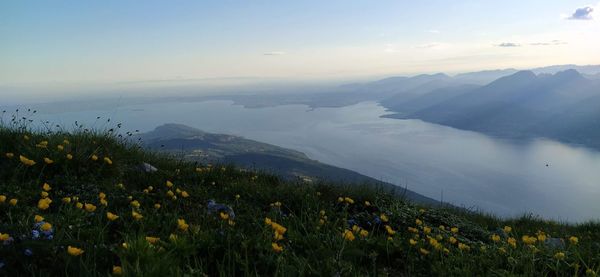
(93, 203)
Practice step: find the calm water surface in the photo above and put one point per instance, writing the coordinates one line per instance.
(467, 168)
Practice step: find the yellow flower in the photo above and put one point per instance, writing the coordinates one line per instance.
(452, 240)
(42, 144)
(157, 206)
(412, 242)
(559, 256)
(111, 216)
(574, 240)
(46, 227)
(224, 216)
(26, 161)
(136, 215)
(60, 147)
(101, 195)
(355, 228)
(135, 204)
(66, 142)
(528, 240)
(541, 236)
(173, 237)
(2, 198)
(169, 184)
(182, 225)
(44, 204)
(152, 240)
(10, 155)
(103, 202)
(389, 230)
(495, 238)
(94, 158)
(507, 229)
(170, 193)
(89, 207)
(117, 270)
(367, 203)
(185, 194)
(277, 236)
(69, 157)
(426, 230)
(422, 211)
(413, 230)
(383, 217)
(79, 205)
(268, 221)
(13, 202)
(46, 187)
(74, 251)
(237, 196)
(276, 247)
(121, 186)
(349, 200)
(364, 233)
(66, 200)
(108, 161)
(4, 237)
(418, 222)
(38, 218)
(512, 242)
(178, 191)
(424, 251)
(44, 194)
(348, 235)
(25, 137)
(340, 199)
(442, 227)
(48, 161)
(125, 245)
(463, 247)
(454, 230)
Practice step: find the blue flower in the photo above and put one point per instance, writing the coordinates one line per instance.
(35, 234)
(28, 252)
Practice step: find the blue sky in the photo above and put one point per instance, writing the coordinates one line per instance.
(117, 41)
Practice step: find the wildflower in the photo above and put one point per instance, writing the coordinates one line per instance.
(383, 218)
(321, 221)
(74, 251)
(559, 256)
(42, 144)
(454, 230)
(340, 199)
(48, 161)
(108, 161)
(452, 240)
(276, 247)
(495, 238)
(44, 194)
(25, 137)
(4, 237)
(426, 230)
(574, 240)
(170, 193)
(463, 247)
(26, 161)
(348, 200)
(528, 240)
(364, 233)
(66, 200)
(277, 236)
(389, 230)
(237, 196)
(10, 155)
(46, 227)
(231, 222)
(94, 158)
(136, 215)
(38, 218)
(66, 142)
(111, 216)
(182, 225)
(157, 206)
(442, 227)
(422, 211)
(44, 203)
(418, 222)
(507, 229)
(268, 221)
(169, 184)
(28, 252)
(152, 240)
(13, 202)
(348, 235)
(184, 194)
(355, 228)
(173, 237)
(412, 242)
(117, 270)
(135, 204)
(46, 187)
(224, 216)
(413, 230)
(278, 228)
(89, 207)
(79, 205)
(512, 242)
(103, 202)
(367, 203)
(69, 157)
(101, 195)
(125, 245)
(2, 198)
(541, 236)
(424, 251)
(60, 147)
(178, 191)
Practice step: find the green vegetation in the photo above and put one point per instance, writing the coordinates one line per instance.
(65, 184)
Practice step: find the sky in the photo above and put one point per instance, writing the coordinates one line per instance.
(112, 41)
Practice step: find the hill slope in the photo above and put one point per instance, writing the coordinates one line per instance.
(81, 205)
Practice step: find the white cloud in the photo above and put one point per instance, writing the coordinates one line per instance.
(584, 13)
(508, 44)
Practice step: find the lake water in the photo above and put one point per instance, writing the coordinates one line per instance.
(469, 169)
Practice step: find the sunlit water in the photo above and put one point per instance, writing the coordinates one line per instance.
(465, 168)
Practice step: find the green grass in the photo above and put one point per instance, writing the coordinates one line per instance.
(243, 246)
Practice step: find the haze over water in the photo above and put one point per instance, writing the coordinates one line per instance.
(468, 169)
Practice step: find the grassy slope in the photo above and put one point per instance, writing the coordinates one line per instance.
(215, 246)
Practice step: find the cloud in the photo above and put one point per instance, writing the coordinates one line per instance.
(274, 53)
(584, 13)
(508, 44)
(549, 43)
